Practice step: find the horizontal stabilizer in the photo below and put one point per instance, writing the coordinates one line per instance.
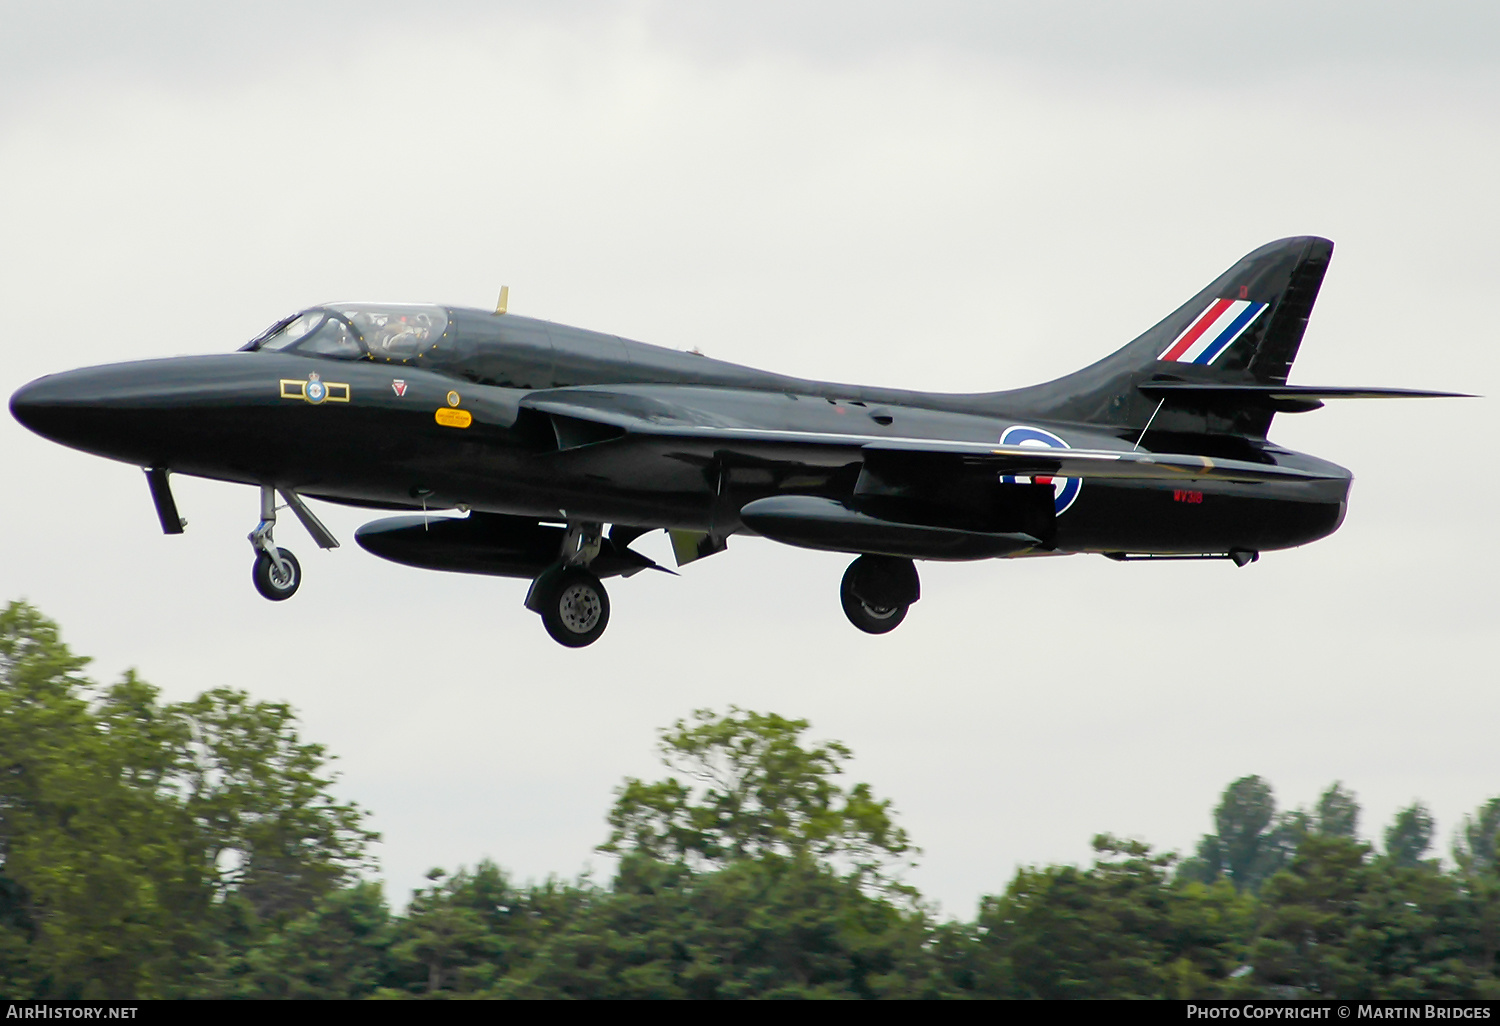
(1279, 398)
(1027, 461)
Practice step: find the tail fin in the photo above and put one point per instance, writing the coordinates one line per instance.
(1243, 329)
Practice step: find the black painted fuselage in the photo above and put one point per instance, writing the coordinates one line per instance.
(544, 434)
(375, 438)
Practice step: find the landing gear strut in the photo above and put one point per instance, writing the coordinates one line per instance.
(277, 574)
(571, 601)
(877, 591)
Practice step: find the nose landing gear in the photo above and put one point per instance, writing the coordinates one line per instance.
(277, 574)
(877, 591)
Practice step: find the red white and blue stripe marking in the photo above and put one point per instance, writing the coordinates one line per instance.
(1213, 331)
(1064, 489)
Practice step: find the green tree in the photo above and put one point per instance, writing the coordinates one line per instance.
(442, 936)
(1337, 814)
(1475, 848)
(751, 789)
(339, 949)
(1409, 837)
(1118, 929)
(1339, 924)
(101, 883)
(1251, 841)
(1412, 933)
(469, 931)
(749, 872)
(132, 831)
(767, 927)
(1310, 910)
(266, 821)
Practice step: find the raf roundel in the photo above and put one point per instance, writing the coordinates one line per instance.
(1064, 489)
(316, 391)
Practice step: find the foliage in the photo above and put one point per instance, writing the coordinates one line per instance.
(1477, 847)
(1337, 814)
(337, 949)
(1253, 842)
(263, 814)
(126, 824)
(764, 927)
(754, 791)
(194, 849)
(1409, 837)
(1118, 929)
(1250, 843)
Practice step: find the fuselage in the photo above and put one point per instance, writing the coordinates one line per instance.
(447, 419)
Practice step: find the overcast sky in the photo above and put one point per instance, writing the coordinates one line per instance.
(951, 196)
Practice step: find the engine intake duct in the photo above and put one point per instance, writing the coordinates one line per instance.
(485, 543)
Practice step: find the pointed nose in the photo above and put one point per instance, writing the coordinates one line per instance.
(117, 410)
(43, 405)
(67, 407)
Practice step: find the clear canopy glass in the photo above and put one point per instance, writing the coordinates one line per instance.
(391, 333)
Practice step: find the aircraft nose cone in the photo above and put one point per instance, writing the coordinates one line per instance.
(96, 409)
(149, 412)
(39, 404)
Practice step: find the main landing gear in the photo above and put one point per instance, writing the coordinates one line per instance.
(277, 574)
(877, 591)
(571, 601)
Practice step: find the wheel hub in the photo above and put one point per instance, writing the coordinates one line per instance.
(579, 608)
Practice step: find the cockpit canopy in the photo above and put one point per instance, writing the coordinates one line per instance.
(389, 333)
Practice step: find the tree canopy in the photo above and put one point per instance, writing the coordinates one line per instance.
(130, 828)
(197, 849)
(745, 787)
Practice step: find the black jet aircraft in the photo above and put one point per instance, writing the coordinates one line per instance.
(544, 434)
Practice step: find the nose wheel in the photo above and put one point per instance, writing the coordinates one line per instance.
(877, 591)
(276, 577)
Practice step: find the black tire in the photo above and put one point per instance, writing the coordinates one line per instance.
(868, 618)
(575, 609)
(272, 585)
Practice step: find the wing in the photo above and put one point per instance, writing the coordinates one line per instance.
(1025, 461)
(709, 424)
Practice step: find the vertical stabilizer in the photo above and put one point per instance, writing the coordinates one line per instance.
(1244, 328)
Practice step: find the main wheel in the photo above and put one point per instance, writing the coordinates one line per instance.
(869, 618)
(276, 585)
(576, 609)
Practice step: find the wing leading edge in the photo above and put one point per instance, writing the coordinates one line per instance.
(618, 416)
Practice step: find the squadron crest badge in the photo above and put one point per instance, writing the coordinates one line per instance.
(315, 390)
